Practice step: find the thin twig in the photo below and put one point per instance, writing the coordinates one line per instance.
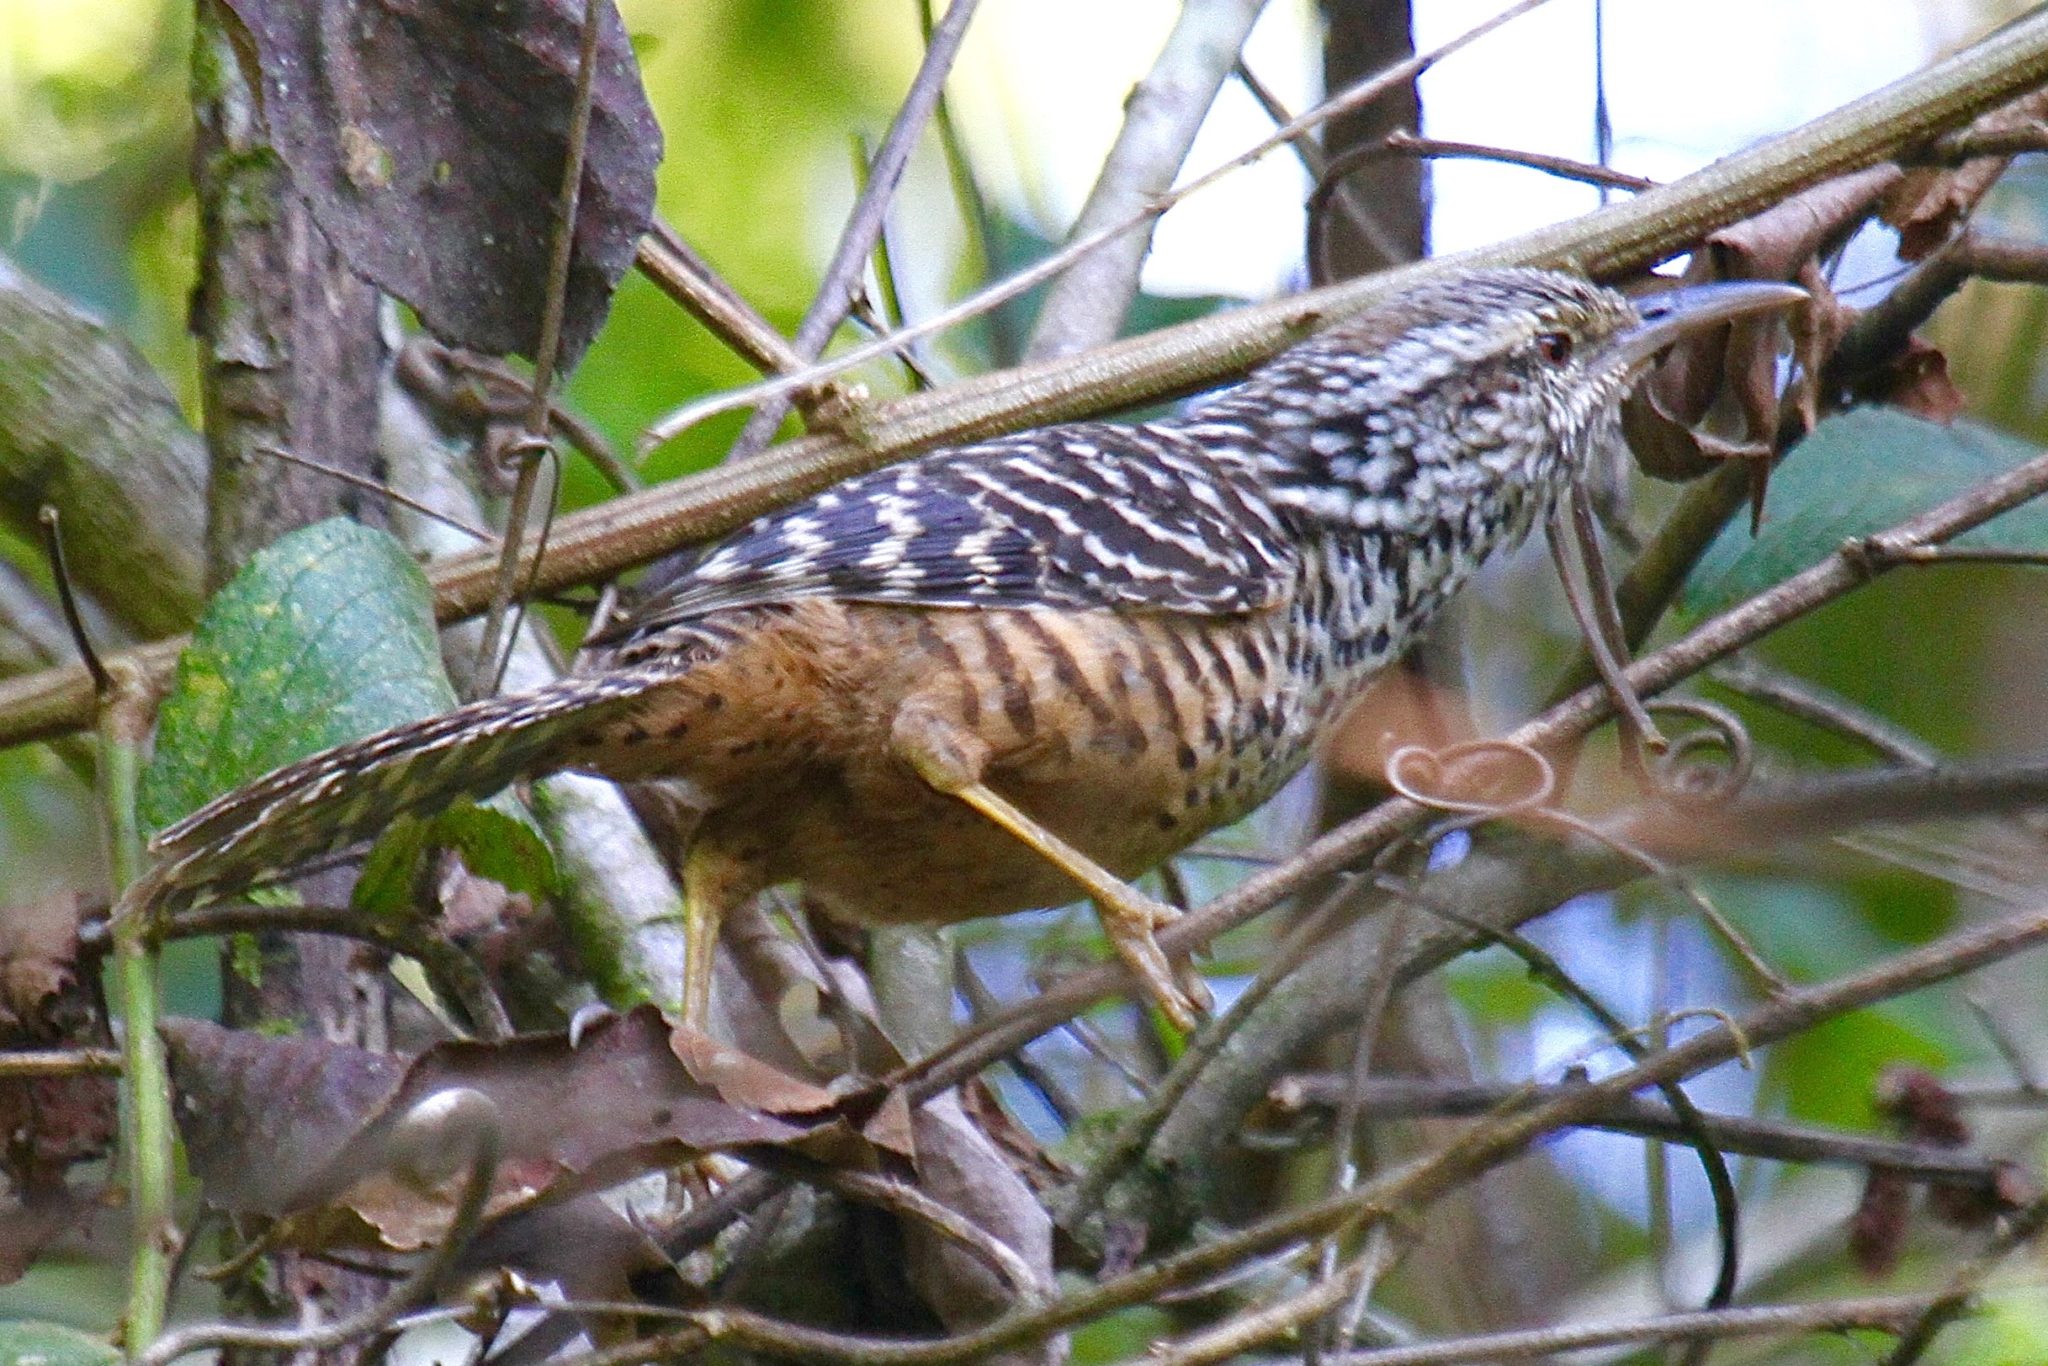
(863, 226)
(967, 194)
(1889, 1314)
(1840, 800)
(1393, 1098)
(1364, 92)
(679, 272)
(1592, 173)
(879, 321)
(1303, 146)
(546, 353)
(53, 546)
(1800, 697)
(1971, 554)
(21, 1064)
(457, 1118)
(450, 968)
(1337, 1328)
(907, 1201)
(1565, 533)
(2016, 1059)
(378, 487)
(1333, 183)
(1972, 143)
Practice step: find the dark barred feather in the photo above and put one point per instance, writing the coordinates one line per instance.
(349, 793)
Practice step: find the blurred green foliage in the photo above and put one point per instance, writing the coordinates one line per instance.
(757, 99)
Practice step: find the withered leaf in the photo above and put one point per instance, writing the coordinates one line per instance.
(262, 1117)
(1877, 1232)
(743, 1079)
(1917, 380)
(38, 961)
(428, 138)
(51, 1123)
(1922, 1106)
(28, 1227)
(279, 1126)
(1929, 202)
(1733, 368)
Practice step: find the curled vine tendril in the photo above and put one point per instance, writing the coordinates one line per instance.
(1701, 767)
(1466, 779)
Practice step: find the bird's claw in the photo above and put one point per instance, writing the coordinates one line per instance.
(1129, 921)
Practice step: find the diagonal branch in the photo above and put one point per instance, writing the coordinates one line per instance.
(1615, 241)
(1387, 1098)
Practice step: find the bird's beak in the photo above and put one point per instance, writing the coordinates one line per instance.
(1680, 312)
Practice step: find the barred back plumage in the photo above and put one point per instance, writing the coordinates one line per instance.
(972, 682)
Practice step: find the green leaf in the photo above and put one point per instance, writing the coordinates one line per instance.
(1859, 473)
(495, 839)
(324, 637)
(28, 1343)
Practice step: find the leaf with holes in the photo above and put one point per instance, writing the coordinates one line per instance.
(325, 636)
(1857, 474)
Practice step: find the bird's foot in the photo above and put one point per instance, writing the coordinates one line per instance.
(1129, 918)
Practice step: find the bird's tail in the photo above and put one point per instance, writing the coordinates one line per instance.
(351, 792)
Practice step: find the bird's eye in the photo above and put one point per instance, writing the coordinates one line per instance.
(1554, 347)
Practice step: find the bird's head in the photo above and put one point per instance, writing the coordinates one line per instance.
(1472, 383)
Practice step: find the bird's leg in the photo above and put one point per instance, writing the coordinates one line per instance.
(950, 761)
(715, 879)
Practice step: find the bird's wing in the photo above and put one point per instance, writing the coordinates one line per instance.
(1085, 515)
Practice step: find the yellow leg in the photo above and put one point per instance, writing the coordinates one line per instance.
(714, 881)
(951, 763)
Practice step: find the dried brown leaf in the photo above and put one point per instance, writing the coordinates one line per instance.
(1922, 1107)
(38, 962)
(2012, 1189)
(428, 138)
(1877, 1233)
(1930, 202)
(1917, 380)
(264, 1117)
(280, 1126)
(30, 1227)
(52, 1124)
(743, 1079)
(1729, 374)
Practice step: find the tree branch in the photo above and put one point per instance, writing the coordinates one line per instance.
(1623, 238)
(1385, 1098)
